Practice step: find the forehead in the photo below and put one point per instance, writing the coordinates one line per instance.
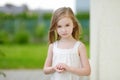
(65, 20)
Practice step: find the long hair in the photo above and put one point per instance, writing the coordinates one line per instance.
(57, 15)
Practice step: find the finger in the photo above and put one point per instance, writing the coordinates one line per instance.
(60, 71)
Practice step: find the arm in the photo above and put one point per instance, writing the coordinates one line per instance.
(85, 70)
(48, 63)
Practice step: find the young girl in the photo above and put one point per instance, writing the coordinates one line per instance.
(66, 59)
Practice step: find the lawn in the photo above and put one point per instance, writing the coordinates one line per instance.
(30, 56)
(22, 56)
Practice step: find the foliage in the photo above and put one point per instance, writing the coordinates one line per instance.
(28, 15)
(10, 22)
(80, 15)
(4, 38)
(85, 36)
(24, 15)
(21, 37)
(40, 30)
(47, 16)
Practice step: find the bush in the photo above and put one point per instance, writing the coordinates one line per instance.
(47, 16)
(40, 31)
(4, 38)
(21, 37)
(85, 36)
(82, 15)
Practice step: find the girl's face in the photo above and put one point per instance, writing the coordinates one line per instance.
(65, 27)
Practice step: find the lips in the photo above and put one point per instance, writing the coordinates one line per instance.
(64, 34)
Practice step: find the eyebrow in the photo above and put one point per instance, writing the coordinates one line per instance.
(60, 25)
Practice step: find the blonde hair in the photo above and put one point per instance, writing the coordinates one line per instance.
(57, 15)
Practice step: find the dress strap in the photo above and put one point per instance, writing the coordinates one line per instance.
(55, 44)
(77, 44)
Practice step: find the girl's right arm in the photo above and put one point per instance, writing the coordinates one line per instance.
(48, 63)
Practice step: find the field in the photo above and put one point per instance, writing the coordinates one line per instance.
(22, 56)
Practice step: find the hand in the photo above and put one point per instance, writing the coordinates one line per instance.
(61, 67)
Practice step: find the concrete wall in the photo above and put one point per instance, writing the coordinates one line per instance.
(105, 39)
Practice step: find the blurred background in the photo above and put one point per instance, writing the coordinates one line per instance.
(24, 29)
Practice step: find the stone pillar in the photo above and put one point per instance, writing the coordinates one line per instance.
(105, 39)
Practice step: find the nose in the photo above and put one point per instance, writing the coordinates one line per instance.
(63, 30)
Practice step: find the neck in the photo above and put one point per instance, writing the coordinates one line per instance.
(67, 39)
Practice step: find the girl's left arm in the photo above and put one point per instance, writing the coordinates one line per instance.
(85, 70)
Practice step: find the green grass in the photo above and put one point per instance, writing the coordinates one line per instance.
(30, 56)
(23, 56)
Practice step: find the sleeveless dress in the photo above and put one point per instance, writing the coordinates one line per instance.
(69, 57)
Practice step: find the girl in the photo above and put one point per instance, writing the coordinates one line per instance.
(66, 59)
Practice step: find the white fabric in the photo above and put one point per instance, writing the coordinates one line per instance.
(69, 57)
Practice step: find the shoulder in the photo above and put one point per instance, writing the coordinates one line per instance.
(51, 45)
(50, 49)
(82, 49)
(81, 46)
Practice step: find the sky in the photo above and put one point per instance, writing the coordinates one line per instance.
(41, 4)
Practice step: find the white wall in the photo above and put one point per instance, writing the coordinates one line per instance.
(105, 39)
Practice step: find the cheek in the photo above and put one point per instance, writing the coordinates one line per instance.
(71, 30)
(58, 31)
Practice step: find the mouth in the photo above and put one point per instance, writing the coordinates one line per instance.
(64, 34)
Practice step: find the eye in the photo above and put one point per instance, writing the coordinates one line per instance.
(58, 26)
(67, 25)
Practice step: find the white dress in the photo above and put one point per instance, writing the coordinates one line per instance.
(69, 57)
